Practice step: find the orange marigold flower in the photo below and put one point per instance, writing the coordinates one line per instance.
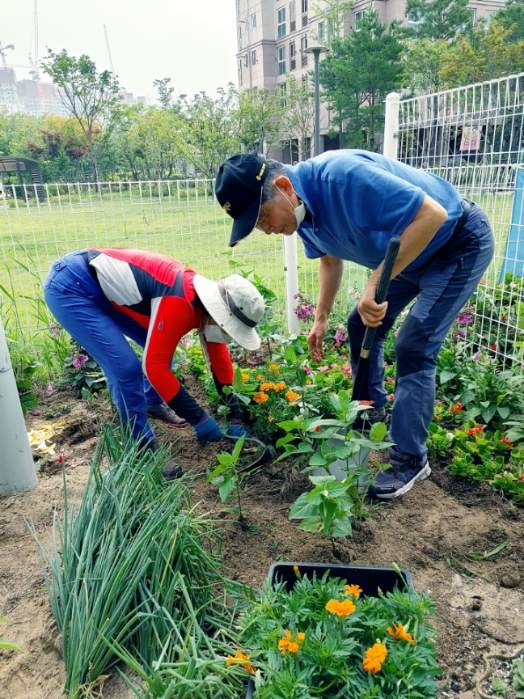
(260, 377)
(244, 375)
(260, 397)
(340, 608)
(240, 658)
(353, 590)
(279, 386)
(374, 658)
(399, 633)
(292, 396)
(267, 386)
(288, 644)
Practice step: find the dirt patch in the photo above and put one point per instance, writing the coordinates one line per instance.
(435, 531)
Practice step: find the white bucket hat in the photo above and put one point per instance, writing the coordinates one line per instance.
(235, 304)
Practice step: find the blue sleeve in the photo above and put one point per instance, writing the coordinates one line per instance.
(377, 200)
(310, 248)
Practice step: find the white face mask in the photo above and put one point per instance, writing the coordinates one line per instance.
(299, 211)
(214, 333)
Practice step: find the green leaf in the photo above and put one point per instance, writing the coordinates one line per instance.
(317, 460)
(503, 411)
(227, 487)
(446, 376)
(378, 431)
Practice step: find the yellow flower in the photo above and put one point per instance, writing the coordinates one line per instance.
(274, 368)
(292, 396)
(374, 658)
(288, 644)
(279, 386)
(240, 658)
(244, 375)
(296, 570)
(260, 397)
(340, 608)
(267, 386)
(353, 590)
(399, 633)
(260, 377)
(309, 382)
(270, 418)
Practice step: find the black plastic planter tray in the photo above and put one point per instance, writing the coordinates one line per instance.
(370, 578)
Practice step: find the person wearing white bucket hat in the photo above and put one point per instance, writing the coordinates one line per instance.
(102, 296)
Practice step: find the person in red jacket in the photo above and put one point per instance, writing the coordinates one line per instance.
(102, 296)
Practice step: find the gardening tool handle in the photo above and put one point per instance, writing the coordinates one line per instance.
(381, 290)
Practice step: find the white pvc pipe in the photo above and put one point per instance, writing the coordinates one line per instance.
(291, 273)
(17, 470)
(391, 123)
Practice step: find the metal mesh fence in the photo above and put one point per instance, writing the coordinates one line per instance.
(473, 137)
(179, 218)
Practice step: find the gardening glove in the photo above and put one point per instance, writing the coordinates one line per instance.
(237, 430)
(208, 430)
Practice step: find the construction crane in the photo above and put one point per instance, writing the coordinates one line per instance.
(3, 49)
(108, 49)
(33, 59)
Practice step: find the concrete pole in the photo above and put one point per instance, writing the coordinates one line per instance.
(291, 274)
(391, 122)
(17, 470)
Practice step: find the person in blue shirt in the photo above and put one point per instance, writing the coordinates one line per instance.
(346, 205)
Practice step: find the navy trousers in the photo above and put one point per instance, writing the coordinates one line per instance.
(441, 288)
(77, 302)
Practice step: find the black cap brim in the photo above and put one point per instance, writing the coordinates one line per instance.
(243, 225)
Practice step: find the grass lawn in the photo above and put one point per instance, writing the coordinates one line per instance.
(189, 226)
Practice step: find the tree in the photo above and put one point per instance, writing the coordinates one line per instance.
(260, 115)
(165, 92)
(511, 17)
(89, 96)
(335, 13)
(489, 52)
(300, 114)
(438, 19)
(423, 64)
(357, 74)
(209, 129)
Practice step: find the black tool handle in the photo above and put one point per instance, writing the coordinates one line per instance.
(381, 291)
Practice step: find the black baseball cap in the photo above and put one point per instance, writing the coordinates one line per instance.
(238, 188)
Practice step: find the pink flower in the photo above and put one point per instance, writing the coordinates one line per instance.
(391, 397)
(346, 368)
(79, 361)
(49, 390)
(307, 370)
(475, 357)
(465, 318)
(54, 330)
(323, 369)
(334, 365)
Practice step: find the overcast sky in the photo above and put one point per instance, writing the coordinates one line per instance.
(191, 41)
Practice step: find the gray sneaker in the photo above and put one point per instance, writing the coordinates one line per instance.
(405, 471)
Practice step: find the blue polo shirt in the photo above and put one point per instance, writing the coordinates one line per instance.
(358, 200)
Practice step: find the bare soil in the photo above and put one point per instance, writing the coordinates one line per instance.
(480, 604)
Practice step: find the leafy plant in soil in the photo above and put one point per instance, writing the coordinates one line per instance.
(324, 638)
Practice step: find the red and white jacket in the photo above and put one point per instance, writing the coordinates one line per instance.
(157, 292)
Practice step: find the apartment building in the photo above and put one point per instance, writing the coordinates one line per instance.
(273, 36)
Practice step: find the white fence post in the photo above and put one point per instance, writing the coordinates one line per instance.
(291, 272)
(391, 125)
(17, 470)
